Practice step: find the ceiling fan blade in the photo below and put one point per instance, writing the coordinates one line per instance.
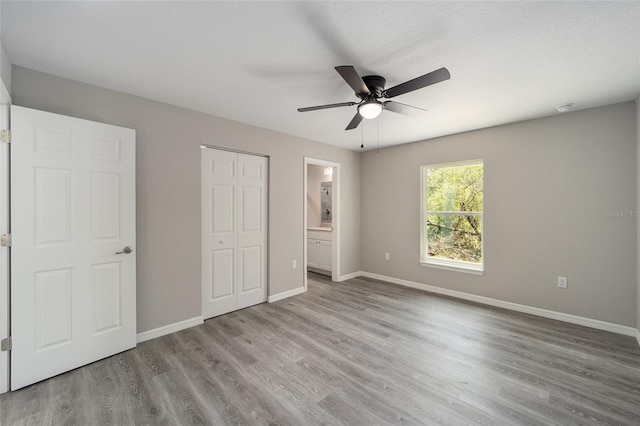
(409, 110)
(352, 78)
(418, 83)
(354, 122)
(315, 108)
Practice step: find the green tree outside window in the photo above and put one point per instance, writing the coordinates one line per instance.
(453, 219)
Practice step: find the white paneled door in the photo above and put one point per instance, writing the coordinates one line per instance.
(234, 240)
(73, 285)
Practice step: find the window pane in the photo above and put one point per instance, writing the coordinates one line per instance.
(457, 237)
(456, 188)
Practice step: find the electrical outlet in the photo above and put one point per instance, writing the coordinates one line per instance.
(562, 282)
(294, 264)
(387, 256)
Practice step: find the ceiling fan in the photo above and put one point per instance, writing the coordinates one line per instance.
(370, 89)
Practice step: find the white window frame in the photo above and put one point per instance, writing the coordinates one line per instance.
(448, 264)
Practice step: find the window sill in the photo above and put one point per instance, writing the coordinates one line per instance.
(467, 268)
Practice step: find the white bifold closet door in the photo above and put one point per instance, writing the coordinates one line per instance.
(234, 231)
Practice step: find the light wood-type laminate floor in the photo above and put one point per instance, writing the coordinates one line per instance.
(359, 352)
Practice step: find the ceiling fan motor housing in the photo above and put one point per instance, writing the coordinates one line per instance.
(375, 83)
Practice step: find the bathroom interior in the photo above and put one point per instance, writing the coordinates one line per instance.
(319, 218)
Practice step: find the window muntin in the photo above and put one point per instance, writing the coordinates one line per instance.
(452, 215)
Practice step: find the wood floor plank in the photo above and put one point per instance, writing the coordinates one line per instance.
(361, 352)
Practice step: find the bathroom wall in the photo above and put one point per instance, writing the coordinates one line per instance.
(315, 177)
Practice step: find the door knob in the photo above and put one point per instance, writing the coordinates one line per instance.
(125, 250)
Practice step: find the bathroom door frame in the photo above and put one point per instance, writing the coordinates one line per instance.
(335, 224)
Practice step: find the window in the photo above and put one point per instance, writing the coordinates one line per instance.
(451, 215)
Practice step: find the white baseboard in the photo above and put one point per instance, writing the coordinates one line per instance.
(350, 276)
(168, 329)
(573, 319)
(285, 294)
(638, 336)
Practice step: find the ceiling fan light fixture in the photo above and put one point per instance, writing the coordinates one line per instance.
(370, 109)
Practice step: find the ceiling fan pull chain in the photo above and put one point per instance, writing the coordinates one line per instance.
(378, 135)
(362, 136)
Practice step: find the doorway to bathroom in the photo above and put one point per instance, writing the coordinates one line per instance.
(321, 218)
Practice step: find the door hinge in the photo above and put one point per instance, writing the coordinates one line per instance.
(6, 344)
(5, 136)
(6, 240)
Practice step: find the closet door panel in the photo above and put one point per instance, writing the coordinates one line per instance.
(220, 236)
(252, 230)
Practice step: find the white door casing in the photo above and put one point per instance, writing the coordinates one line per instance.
(234, 222)
(73, 297)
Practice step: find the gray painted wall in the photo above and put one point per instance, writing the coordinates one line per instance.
(548, 183)
(5, 69)
(168, 189)
(314, 176)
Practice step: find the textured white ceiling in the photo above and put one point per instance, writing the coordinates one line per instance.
(257, 62)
